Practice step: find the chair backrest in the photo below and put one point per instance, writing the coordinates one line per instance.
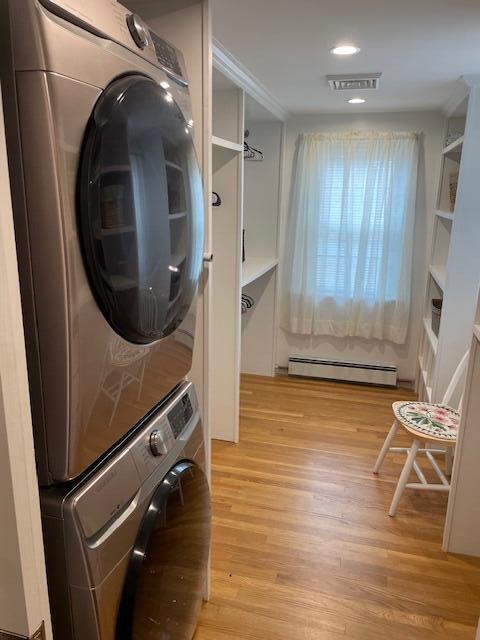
(454, 382)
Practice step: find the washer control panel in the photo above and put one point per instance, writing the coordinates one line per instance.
(160, 436)
(161, 440)
(179, 416)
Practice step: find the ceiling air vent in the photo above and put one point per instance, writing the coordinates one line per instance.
(354, 81)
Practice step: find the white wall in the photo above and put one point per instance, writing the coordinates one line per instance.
(261, 197)
(23, 585)
(431, 124)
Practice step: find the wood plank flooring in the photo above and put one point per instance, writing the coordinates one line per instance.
(303, 548)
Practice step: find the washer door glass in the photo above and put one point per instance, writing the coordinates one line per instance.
(166, 578)
(141, 209)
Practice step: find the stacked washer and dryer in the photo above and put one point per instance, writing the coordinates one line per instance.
(109, 221)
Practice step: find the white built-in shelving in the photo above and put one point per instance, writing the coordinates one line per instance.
(476, 331)
(462, 526)
(425, 382)
(454, 149)
(222, 143)
(445, 215)
(438, 274)
(118, 230)
(454, 266)
(254, 268)
(245, 225)
(430, 384)
(431, 336)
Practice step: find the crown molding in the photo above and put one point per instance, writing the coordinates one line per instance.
(462, 88)
(241, 76)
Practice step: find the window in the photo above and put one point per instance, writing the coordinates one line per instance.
(351, 235)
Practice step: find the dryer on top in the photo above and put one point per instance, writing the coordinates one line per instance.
(109, 218)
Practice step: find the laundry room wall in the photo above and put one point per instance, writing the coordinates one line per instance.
(23, 586)
(431, 125)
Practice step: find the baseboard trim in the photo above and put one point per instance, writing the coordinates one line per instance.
(402, 384)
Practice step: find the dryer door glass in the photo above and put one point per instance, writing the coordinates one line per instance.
(166, 578)
(141, 209)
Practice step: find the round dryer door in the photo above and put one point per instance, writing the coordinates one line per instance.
(141, 209)
(166, 578)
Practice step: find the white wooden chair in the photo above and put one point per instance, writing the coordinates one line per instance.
(429, 422)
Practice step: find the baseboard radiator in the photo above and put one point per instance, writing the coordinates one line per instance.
(380, 373)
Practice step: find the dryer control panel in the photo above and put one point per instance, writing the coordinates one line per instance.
(168, 57)
(110, 19)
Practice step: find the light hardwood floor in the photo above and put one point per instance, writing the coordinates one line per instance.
(303, 548)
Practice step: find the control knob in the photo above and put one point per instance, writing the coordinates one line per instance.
(138, 29)
(158, 446)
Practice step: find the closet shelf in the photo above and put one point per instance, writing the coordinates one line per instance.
(476, 331)
(227, 144)
(428, 389)
(432, 338)
(177, 215)
(254, 268)
(454, 150)
(438, 275)
(445, 215)
(173, 165)
(118, 230)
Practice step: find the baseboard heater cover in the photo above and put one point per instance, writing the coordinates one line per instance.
(381, 373)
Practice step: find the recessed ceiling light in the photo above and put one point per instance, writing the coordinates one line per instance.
(356, 101)
(345, 50)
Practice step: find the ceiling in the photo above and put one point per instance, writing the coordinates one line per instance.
(421, 47)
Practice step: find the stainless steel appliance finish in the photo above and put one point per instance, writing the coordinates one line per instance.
(109, 220)
(127, 548)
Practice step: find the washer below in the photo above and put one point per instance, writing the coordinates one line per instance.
(127, 548)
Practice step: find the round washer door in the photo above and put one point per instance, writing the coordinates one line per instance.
(140, 209)
(166, 578)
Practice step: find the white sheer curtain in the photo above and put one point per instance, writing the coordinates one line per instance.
(348, 256)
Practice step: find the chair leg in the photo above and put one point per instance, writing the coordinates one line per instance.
(403, 480)
(448, 460)
(386, 446)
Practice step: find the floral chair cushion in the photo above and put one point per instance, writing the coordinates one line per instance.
(435, 420)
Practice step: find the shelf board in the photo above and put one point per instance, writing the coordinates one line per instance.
(254, 268)
(177, 259)
(177, 215)
(432, 338)
(454, 150)
(428, 390)
(173, 165)
(476, 331)
(445, 215)
(116, 168)
(118, 230)
(438, 275)
(122, 283)
(227, 144)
